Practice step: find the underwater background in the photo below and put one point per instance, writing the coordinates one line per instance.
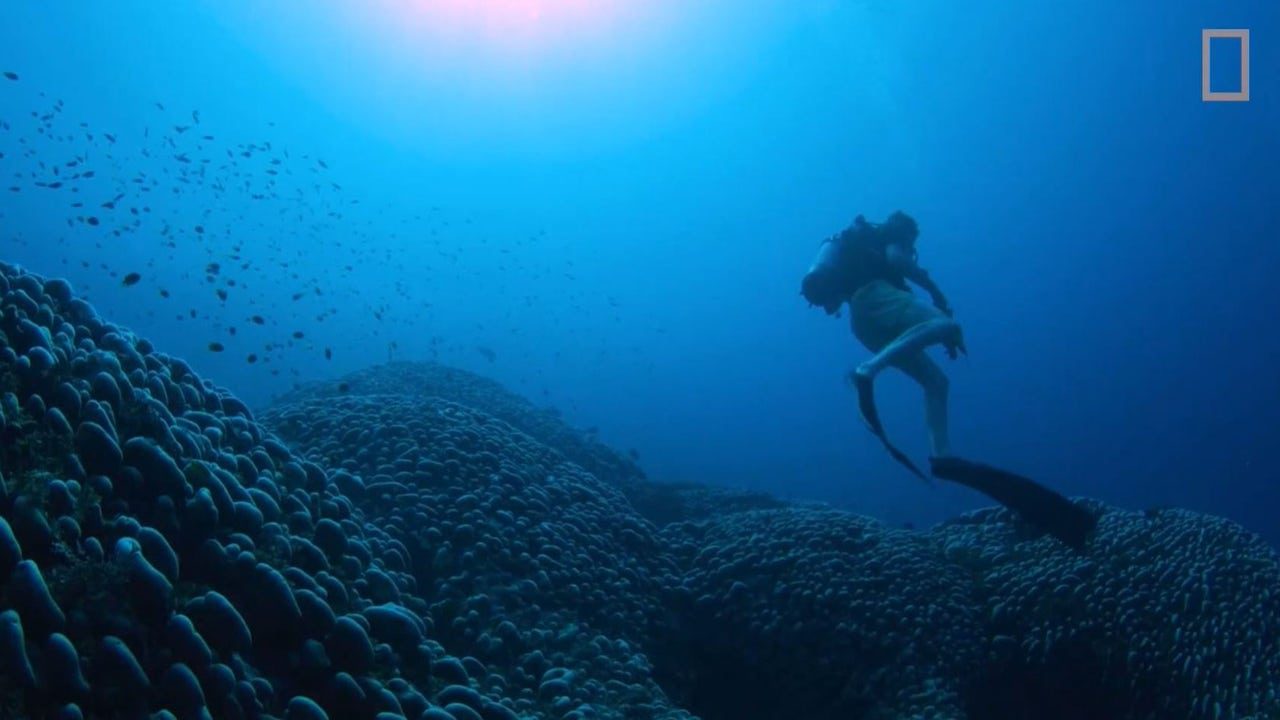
(606, 209)
(618, 201)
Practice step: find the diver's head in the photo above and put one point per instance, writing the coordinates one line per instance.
(901, 227)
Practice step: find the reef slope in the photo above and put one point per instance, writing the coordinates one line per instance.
(415, 541)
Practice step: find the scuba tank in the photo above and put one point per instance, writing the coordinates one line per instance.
(856, 257)
(831, 278)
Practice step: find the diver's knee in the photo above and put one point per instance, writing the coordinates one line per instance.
(950, 331)
(942, 324)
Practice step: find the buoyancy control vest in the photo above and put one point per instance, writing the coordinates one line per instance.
(848, 261)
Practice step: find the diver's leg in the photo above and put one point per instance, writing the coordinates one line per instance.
(914, 340)
(921, 368)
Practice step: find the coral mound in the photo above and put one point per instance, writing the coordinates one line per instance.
(518, 548)
(427, 379)
(1171, 613)
(416, 542)
(826, 615)
(160, 550)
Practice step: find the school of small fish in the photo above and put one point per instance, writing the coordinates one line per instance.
(173, 183)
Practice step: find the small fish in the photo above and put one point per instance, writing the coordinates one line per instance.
(164, 293)
(11, 75)
(222, 294)
(199, 229)
(257, 320)
(343, 387)
(253, 358)
(131, 279)
(297, 334)
(328, 354)
(488, 354)
(216, 347)
(91, 220)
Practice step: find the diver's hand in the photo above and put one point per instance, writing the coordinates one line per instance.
(956, 349)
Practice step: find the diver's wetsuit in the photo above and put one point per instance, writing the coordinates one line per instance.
(869, 271)
(897, 326)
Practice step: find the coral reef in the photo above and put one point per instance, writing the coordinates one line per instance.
(415, 541)
(1169, 613)
(423, 379)
(529, 561)
(161, 551)
(827, 614)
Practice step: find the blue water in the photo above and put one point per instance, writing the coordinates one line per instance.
(610, 211)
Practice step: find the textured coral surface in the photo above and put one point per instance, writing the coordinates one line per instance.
(415, 541)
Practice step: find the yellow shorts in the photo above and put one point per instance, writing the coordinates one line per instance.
(881, 312)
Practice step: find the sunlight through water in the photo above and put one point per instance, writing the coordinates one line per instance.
(506, 27)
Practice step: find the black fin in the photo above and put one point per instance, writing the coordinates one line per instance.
(867, 406)
(902, 458)
(871, 416)
(1037, 504)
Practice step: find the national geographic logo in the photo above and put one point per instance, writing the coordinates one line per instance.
(1207, 93)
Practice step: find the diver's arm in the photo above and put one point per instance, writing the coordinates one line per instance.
(920, 277)
(905, 262)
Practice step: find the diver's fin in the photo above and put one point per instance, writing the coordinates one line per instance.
(1037, 504)
(871, 416)
(902, 458)
(867, 404)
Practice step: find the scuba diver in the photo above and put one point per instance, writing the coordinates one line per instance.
(868, 266)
